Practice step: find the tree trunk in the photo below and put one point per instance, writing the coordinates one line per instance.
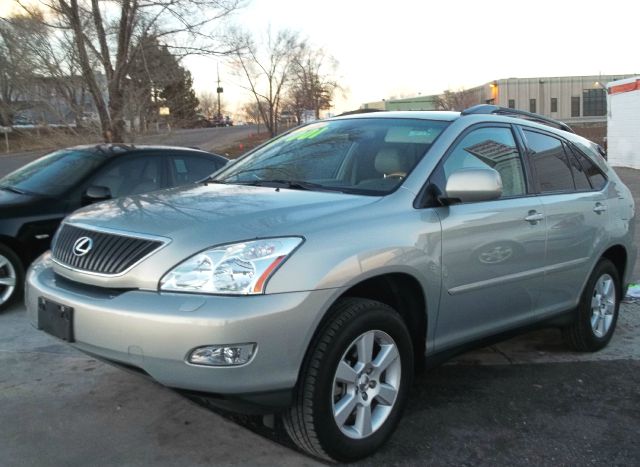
(116, 107)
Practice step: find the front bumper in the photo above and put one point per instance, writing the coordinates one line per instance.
(156, 331)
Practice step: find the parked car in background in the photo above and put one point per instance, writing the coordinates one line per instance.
(313, 275)
(36, 197)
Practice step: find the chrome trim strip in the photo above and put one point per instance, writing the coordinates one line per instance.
(517, 276)
(123, 233)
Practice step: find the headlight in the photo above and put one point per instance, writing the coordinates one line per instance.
(238, 269)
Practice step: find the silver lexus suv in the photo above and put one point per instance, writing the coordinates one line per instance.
(314, 275)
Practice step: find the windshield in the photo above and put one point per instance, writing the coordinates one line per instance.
(368, 156)
(54, 173)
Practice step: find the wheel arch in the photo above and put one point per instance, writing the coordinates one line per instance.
(15, 246)
(402, 292)
(617, 254)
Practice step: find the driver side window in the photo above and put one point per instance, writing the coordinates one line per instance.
(493, 148)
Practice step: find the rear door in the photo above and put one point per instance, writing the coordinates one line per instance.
(572, 191)
(492, 251)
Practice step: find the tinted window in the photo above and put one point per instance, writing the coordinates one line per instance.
(188, 169)
(550, 162)
(575, 106)
(554, 104)
(595, 102)
(131, 176)
(532, 105)
(580, 178)
(494, 148)
(54, 173)
(597, 179)
(512, 103)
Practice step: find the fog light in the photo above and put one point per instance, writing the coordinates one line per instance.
(223, 355)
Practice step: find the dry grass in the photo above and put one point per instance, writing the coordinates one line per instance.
(241, 147)
(47, 138)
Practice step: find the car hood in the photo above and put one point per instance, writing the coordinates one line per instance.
(18, 204)
(9, 198)
(200, 216)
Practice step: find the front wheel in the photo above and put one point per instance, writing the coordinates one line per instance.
(354, 382)
(11, 277)
(597, 312)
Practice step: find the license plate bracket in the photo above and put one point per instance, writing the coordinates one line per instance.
(55, 319)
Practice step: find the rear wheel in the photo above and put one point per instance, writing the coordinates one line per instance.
(354, 383)
(597, 311)
(11, 277)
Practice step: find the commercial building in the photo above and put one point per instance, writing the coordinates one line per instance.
(580, 101)
(573, 99)
(408, 103)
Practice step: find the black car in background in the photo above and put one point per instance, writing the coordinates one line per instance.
(35, 198)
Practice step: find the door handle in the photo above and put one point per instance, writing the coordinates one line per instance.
(599, 207)
(534, 217)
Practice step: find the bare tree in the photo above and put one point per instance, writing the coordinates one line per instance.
(251, 112)
(108, 32)
(15, 66)
(208, 103)
(313, 85)
(456, 100)
(266, 70)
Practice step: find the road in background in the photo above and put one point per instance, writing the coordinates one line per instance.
(208, 139)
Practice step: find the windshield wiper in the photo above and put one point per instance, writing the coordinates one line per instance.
(210, 179)
(13, 190)
(290, 184)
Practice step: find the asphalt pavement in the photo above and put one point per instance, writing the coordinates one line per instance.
(526, 401)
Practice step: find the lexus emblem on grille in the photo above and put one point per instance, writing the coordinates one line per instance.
(82, 246)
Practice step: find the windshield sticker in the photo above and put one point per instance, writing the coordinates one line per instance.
(306, 133)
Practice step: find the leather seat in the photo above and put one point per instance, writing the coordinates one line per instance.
(390, 162)
(392, 166)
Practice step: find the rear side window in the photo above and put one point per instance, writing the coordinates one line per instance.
(593, 173)
(579, 175)
(550, 162)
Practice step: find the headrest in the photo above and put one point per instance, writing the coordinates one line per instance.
(390, 161)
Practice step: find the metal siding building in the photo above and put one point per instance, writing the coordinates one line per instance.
(572, 99)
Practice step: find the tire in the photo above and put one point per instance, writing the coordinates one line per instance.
(355, 326)
(597, 312)
(11, 277)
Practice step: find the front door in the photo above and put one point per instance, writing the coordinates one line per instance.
(492, 252)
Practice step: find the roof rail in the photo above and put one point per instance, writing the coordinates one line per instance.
(484, 109)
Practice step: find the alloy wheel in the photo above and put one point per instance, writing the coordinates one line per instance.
(366, 384)
(603, 304)
(8, 279)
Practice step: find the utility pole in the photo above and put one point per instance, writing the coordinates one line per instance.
(219, 90)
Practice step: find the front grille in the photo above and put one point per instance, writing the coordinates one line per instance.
(110, 253)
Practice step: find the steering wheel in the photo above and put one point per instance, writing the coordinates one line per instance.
(398, 175)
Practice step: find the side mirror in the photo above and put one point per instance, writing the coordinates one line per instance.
(96, 193)
(472, 185)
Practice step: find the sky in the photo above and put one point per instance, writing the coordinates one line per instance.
(402, 48)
